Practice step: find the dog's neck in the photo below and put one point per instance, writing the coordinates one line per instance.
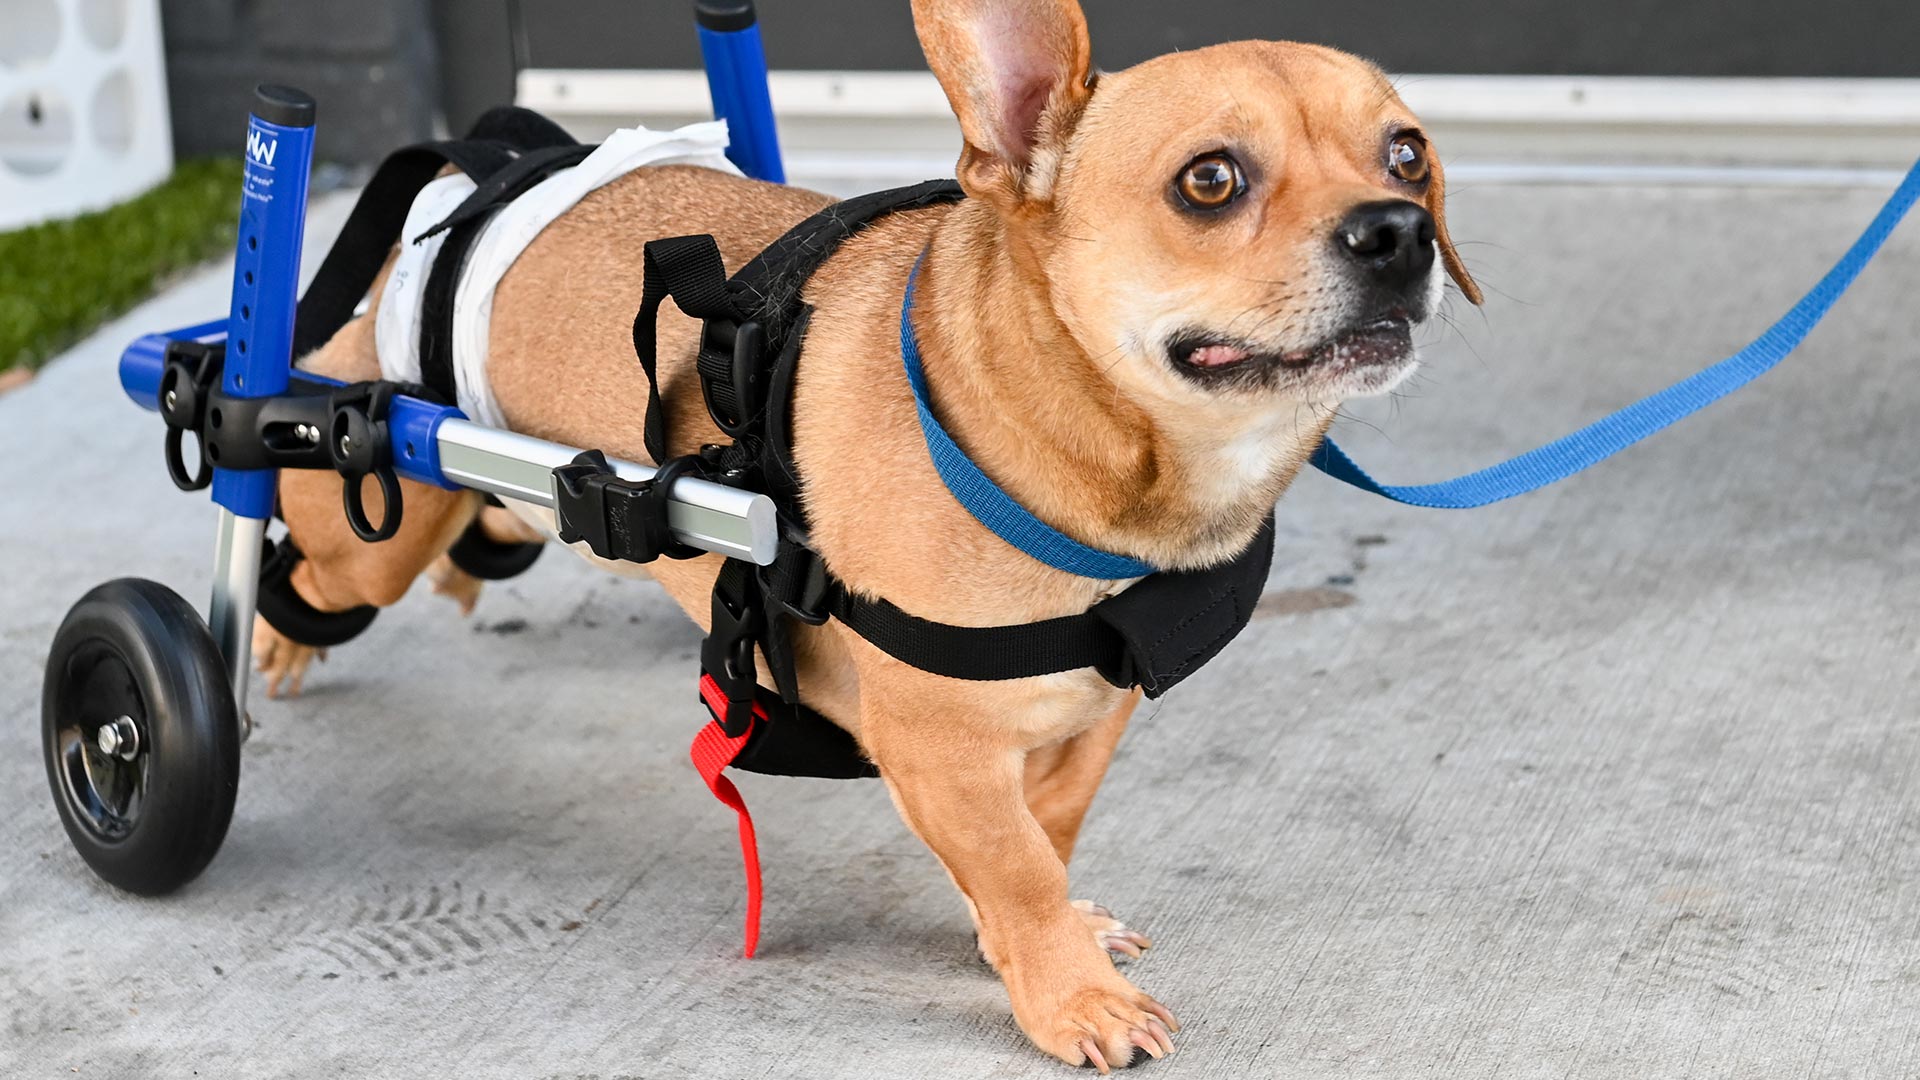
(1036, 412)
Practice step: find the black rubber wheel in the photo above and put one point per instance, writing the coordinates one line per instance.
(134, 657)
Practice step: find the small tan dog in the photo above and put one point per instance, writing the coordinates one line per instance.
(1140, 322)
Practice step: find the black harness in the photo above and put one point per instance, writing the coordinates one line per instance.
(1150, 636)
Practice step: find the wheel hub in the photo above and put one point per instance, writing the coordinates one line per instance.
(102, 762)
(119, 739)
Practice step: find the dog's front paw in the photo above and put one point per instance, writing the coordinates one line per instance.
(1112, 934)
(282, 660)
(1105, 1026)
(449, 580)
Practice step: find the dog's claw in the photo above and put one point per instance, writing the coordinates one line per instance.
(1092, 1050)
(1112, 934)
(1146, 1041)
(1158, 1029)
(1109, 1025)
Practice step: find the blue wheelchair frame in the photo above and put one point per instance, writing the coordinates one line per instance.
(429, 443)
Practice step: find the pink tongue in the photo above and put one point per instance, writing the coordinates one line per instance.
(1217, 356)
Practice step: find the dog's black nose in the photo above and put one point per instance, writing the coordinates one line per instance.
(1392, 240)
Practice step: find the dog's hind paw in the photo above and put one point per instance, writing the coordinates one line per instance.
(1112, 934)
(280, 659)
(451, 581)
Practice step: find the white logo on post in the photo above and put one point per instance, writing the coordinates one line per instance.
(261, 148)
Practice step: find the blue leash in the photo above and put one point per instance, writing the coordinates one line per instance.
(1608, 436)
(1533, 470)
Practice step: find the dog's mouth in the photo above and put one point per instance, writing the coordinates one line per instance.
(1382, 343)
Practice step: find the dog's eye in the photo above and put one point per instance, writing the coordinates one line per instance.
(1407, 159)
(1210, 182)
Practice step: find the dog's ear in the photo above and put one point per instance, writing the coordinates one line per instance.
(1449, 255)
(1017, 74)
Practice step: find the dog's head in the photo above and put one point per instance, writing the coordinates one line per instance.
(1249, 223)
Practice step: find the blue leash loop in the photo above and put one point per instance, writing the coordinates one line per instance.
(1531, 471)
(1608, 436)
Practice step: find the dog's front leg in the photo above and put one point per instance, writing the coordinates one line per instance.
(1061, 779)
(960, 789)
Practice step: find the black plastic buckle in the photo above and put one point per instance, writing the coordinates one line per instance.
(185, 387)
(798, 581)
(727, 654)
(624, 520)
(743, 342)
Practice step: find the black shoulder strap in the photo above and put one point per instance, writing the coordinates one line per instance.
(770, 283)
(466, 222)
(689, 269)
(355, 259)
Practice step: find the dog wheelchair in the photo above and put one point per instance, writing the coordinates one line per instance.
(144, 704)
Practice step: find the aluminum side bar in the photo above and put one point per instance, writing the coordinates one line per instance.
(712, 517)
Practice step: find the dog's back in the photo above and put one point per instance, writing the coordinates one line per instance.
(561, 361)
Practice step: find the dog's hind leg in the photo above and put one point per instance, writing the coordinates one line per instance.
(340, 570)
(960, 789)
(498, 524)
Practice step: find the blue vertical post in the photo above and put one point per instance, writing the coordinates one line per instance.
(737, 78)
(259, 358)
(266, 272)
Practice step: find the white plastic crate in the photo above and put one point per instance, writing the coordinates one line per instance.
(83, 106)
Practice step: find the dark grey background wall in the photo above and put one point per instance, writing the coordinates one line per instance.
(371, 63)
(1588, 37)
(384, 69)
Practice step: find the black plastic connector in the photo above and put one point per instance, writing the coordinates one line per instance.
(310, 426)
(192, 372)
(726, 655)
(730, 360)
(624, 520)
(357, 443)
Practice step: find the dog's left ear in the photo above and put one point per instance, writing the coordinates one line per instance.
(1449, 255)
(1017, 75)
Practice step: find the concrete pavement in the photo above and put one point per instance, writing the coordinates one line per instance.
(1617, 780)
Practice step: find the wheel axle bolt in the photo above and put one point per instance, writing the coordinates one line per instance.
(173, 399)
(346, 445)
(120, 739)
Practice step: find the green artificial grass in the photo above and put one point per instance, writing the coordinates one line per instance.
(61, 279)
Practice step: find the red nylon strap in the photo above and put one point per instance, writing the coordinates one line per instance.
(713, 751)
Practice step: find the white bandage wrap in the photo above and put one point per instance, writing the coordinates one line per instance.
(505, 235)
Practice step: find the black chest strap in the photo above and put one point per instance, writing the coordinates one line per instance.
(1152, 635)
